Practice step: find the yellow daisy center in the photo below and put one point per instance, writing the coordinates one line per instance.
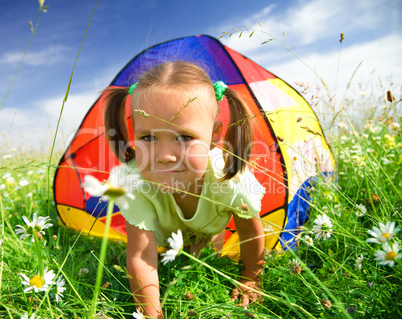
(390, 256)
(386, 235)
(325, 227)
(114, 191)
(38, 282)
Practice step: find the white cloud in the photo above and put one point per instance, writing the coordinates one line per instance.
(22, 130)
(74, 109)
(35, 127)
(48, 56)
(375, 56)
(312, 31)
(310, 23)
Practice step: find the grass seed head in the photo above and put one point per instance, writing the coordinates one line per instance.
(141, 112)
(326, 303)
(189, 296)
(249, 314)
(296, 270)
(191, 313)
(374, 197)
(38, 234)
(390, 97)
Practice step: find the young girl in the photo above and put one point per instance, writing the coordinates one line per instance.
(175, 108)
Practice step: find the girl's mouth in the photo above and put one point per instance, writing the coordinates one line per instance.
(170, 172)
(175, 171)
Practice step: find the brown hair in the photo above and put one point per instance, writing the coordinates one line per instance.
(238, 137)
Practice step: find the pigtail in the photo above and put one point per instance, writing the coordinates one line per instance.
(238, 138)
(115, 124)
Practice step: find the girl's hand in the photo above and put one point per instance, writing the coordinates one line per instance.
(247, 294)
(251, 235)
(142, 265)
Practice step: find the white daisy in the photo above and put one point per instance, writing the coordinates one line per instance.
(59, 288)
(6, 175)
(38, 224)
(359, 261)
(383, 234)
(342, 125)
(138, 315)
(308, 240)
(176, 242)
(117, 187)
(323, 227)
(23, 182)
(37, 283)
(82, 271)
(361, 210)
(395, 126)
(25, 316)
(388, 255)
(375, 129)
(385, 161)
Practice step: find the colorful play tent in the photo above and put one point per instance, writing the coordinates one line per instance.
(288, 153)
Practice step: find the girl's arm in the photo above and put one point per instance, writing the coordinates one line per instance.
(142, 265)
(252, 242)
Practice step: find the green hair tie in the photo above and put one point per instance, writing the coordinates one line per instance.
(131, 89)
(220, 88)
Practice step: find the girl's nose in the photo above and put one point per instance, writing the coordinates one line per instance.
(166, 153)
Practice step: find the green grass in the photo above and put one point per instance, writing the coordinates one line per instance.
(329, 284)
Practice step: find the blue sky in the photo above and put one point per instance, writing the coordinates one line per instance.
(120, 29)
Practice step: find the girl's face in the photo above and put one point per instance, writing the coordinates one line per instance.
(172, 144)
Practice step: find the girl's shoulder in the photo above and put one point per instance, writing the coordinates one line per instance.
(243, 190)
(241, 180)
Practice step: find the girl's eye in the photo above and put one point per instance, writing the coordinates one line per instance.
(184, 138)
(149, 138)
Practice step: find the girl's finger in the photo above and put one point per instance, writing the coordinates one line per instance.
(235, 294)
(245, 300)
